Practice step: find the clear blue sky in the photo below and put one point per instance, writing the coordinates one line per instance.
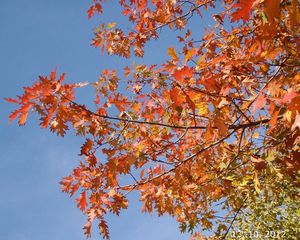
(37, 36)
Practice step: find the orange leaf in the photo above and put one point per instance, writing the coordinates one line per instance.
(244, 8)
(259, 103)
(222, 127)
(87, 229)
(53, 74)
(190, 102)
(62, 77)
(209, 133)
(273, 9)
(288, 97)
(98, 8)
(11, 100)
(81, 201)
(86, 147)
(92, 160)
(104, 229)
(24, 112)
(189, 55)
(91, 11)
(97, 100)
(126, 71)
(13, 115)
(183, 73)
(273, 120)
(177, 98)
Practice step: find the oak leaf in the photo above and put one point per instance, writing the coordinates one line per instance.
(183, 73)
(244, 8)
(81, 201)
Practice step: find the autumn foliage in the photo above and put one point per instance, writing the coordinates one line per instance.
(204, 134)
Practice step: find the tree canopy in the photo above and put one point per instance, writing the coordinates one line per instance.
(210, 137)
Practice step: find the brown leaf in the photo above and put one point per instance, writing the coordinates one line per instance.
(86, 147)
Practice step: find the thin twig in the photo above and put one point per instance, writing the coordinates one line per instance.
(234, 218)
(191, 11)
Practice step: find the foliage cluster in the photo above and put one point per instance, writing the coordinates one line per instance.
(210, 137)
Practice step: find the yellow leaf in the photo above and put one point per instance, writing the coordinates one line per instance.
(202, 108)
(288, 116)
(172, 54)
(111, 25)
(136, 107)
(256, 183)
(189, 55)
(200, 63)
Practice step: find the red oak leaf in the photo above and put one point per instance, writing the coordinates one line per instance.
(177, 97)
(81, 201)
(183, 73)
(86, 147)
(244, 8)
(11, 100)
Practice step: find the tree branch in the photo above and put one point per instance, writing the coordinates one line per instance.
(230, 126)
(191, 11)
(180, 163)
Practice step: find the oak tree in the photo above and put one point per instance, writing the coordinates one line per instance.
(210, 137)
